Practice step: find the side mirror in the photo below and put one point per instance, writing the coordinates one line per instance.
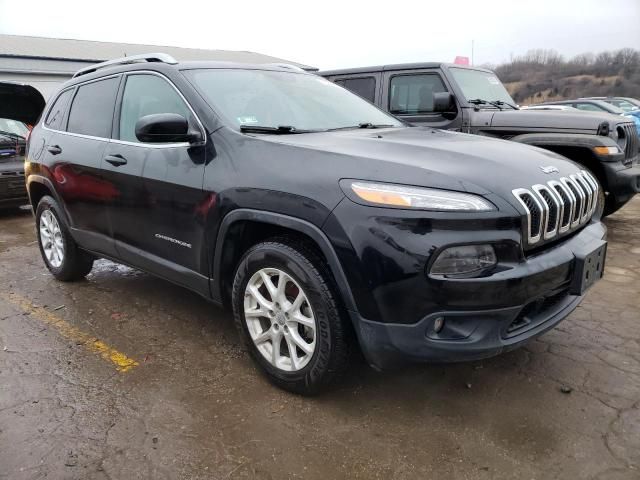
(444, 102)
(165, 128)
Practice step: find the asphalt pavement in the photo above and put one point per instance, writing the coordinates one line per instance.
(127, 376)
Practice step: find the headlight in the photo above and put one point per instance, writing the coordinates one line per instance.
(418, 197)
(464, 260)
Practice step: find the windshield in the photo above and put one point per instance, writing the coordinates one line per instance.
(476, 84)
(623, 105)
(13, 127)
(252, 98)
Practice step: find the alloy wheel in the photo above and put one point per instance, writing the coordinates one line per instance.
(280, 319)
(51, 239)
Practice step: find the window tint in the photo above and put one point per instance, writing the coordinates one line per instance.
(588, 106)
(412, 94)
(365, 87)
(146, 95)
(92, 108)
(56, 114)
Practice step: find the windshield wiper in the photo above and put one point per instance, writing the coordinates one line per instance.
(279, 130)
(496, 103)
(362, 125)
(480, 101)
(500, 102)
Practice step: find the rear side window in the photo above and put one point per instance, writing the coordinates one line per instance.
(413, 94)
(56, 114)
(588, 107)
(92, 108)
(146, 95)
(363, 86)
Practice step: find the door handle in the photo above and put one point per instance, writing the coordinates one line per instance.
(54, 149)
(116, 160)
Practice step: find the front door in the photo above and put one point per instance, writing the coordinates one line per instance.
(155, 219)
(409, 95)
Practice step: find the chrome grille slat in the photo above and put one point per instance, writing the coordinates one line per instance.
(558, 206)
(566, 205)
(586, 208)
(551, 207)
(579, 196)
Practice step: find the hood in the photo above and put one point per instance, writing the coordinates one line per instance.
(422, 156)
(552, 119)
(20, 102)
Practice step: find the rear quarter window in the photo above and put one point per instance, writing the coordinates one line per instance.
(56, 114)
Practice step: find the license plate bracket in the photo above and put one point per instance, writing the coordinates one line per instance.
(589, 268)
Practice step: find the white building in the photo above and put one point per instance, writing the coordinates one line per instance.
(45, 63)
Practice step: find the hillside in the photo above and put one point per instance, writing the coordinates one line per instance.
(542, 75)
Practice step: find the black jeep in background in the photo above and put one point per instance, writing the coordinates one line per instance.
(473, 100)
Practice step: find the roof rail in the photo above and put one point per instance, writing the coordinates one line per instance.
(288, 66)
(145, 57)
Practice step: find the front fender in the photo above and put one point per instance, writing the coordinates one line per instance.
(291, 223)
(576, 140)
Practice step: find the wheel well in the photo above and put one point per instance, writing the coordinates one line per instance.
(36, 192)
(583, 156)
(244, 234)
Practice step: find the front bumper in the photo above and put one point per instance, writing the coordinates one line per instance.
(623, 182)
(13, 191)
(539, 292)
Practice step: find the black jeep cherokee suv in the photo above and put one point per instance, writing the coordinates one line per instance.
(323, 221)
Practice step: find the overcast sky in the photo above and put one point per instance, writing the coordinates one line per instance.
(333, 34)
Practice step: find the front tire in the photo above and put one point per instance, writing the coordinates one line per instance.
(62, 256)
(289, 317)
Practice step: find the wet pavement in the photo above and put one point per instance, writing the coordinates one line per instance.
(126, 376)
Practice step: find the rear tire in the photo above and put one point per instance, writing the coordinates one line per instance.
(303, 317)
(61, 254)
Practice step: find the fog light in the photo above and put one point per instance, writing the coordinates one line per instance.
(438, 323)
(464, 260)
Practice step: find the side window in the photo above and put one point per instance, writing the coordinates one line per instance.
(413, 94)
(56, 114)
(92, 108)
(146, 95)
(588, 107)
(364, 87)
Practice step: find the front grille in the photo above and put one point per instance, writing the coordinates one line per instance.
(559, 206)
(628, 132)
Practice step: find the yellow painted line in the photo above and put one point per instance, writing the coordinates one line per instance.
(122, 362)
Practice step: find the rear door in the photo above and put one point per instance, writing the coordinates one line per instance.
(409, 96)
(156, 221)
(366, 86)
(74, 148)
